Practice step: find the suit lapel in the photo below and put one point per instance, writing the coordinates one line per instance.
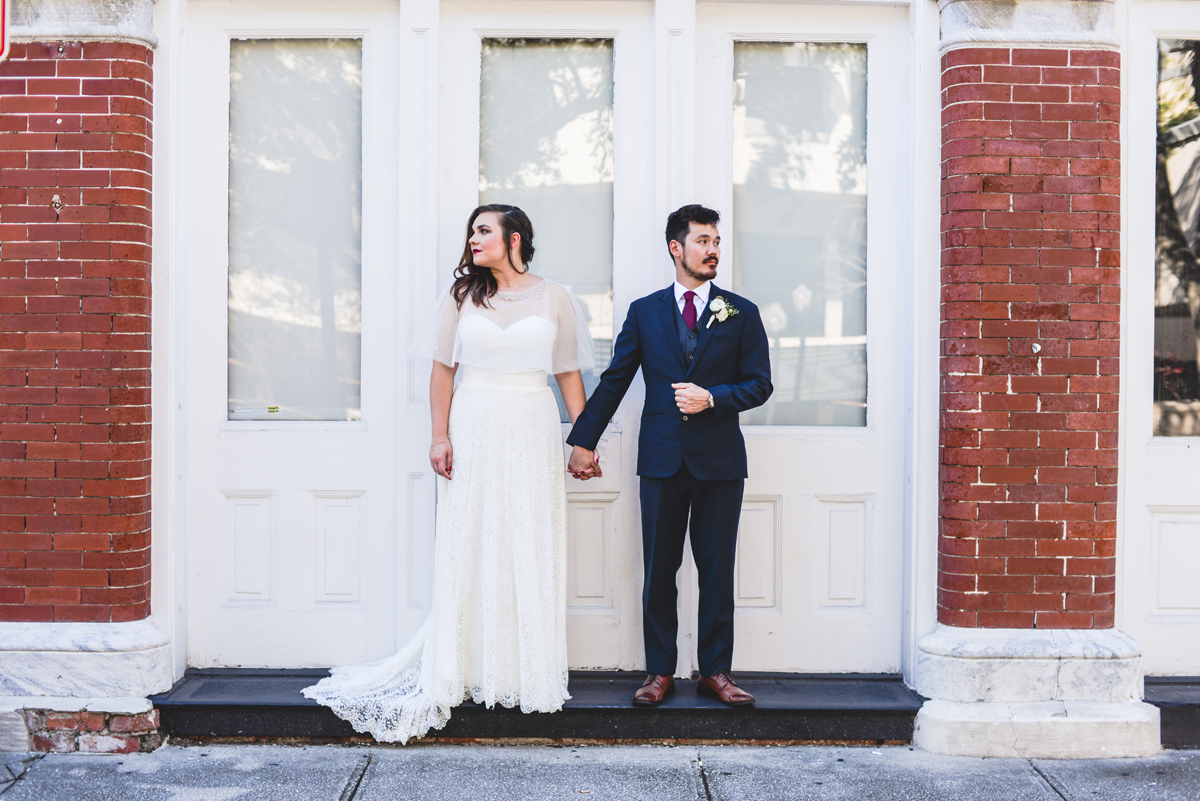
(667, 312)
(706, 330)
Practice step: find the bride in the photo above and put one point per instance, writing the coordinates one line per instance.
(497, 630)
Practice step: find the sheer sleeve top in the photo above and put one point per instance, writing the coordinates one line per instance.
(539, 329)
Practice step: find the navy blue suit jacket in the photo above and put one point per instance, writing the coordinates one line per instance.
(732, 361)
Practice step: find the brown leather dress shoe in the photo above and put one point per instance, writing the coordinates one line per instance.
(720, 686)
(653, 690)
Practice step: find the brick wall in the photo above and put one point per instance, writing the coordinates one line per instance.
(75, 332)
(92, 732)
(1030, 257)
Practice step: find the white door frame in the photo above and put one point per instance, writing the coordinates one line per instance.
(795, 469)
(1157, 475)
(192, 254)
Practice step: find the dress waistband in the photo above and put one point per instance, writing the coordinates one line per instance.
(473, 375)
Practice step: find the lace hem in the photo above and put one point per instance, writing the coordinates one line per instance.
(496, 632)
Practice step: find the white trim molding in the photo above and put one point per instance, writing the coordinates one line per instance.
(1029, 23)
(1050, 694)
(84, 660)
(84, 21)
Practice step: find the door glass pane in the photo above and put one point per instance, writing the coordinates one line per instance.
(545, 144)
(295, 214)
(800, 223)
(1177, 266)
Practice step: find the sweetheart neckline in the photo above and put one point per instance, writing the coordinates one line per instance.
(507, 327)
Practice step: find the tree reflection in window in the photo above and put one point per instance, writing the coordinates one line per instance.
(1177, 214)
(295, 229)
(799, 223)
(546, 145)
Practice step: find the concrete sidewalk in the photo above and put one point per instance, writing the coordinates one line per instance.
(596, 773)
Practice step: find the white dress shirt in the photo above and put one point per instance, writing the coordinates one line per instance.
(700, 301)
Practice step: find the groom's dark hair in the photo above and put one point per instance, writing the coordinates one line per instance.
(679, 223)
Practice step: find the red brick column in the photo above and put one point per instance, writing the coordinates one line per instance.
(1030, 335)
(75, 332)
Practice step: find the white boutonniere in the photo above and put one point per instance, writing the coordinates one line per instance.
(721, 310)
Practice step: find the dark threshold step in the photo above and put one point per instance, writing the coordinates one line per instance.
(239, 702)
(1178, 702)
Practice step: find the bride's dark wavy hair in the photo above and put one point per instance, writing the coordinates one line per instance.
(478, 282)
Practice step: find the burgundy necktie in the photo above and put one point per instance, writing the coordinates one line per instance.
(689, 309)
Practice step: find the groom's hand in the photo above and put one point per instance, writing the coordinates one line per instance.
(690, 398)
(584, 464)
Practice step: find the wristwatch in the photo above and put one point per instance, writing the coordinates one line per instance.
(712, 402)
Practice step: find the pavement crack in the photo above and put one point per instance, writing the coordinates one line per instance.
(1049, 782)
(16, 776)
(703, 777)
(352, 783)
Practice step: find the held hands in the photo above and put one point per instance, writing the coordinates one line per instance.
(441, 457)
(584, 464)
(690, 398)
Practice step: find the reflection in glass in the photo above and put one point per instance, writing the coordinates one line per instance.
(545, 144)
(1177, 271)
(295, 211)
(799, 223)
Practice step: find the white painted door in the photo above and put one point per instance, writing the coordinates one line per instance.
(294, 499)
(1158, 596)
(547, 107)
(801, 131)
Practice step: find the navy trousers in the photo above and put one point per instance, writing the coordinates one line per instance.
(714, 508)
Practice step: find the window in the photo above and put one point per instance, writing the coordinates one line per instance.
(295, 214)
(545, 145)
(1177, 268)
(799, 223)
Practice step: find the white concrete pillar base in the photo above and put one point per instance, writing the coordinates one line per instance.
(1040, 730)
(1027, 665)
(84, 660)
(1046, 693)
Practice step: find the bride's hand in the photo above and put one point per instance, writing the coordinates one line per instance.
(441, 456)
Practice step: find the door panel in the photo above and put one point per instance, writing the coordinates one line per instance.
(784, 93)
(1159, 534)
(548, 109)
(291, 346)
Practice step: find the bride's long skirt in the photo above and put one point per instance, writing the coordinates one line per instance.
(497, 629)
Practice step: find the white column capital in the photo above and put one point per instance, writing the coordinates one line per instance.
(1029, 23)
(84, 21)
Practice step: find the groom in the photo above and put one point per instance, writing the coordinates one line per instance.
(704, 358)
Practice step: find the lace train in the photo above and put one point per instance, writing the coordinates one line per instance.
(497, 629)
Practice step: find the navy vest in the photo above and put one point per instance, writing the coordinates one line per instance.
(688, 339)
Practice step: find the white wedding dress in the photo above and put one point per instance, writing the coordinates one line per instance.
(496, 633)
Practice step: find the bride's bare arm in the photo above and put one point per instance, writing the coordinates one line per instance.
(441, 387)
(571, 386)
(583, 464)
